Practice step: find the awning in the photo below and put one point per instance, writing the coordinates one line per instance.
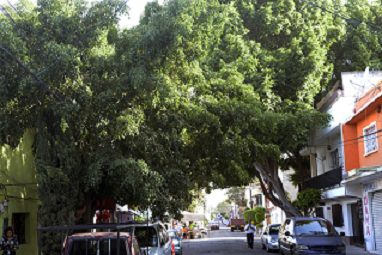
(187, 216)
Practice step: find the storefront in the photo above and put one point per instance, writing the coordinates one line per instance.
(369, 180)
(372, 205)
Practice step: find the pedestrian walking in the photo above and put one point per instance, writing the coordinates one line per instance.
(9, 242)
(250, 228)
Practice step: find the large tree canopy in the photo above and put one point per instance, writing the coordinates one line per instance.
(200, 92)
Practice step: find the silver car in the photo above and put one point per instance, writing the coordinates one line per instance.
(270, 237)
(153, 239)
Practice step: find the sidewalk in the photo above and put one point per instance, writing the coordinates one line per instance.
(354, 250)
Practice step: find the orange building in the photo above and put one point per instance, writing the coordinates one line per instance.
(362, 146)
(360, 132)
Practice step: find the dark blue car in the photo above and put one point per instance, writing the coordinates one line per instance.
(177, 241)
(309, 236)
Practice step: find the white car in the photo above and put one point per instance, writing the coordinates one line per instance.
(153, 239)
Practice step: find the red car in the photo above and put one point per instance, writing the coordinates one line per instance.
(213, 225)
(102, 243)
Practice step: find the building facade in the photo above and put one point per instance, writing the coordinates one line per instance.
(339, 204)
(363, 161)
(19, 187)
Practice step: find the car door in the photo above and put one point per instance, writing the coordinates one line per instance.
(282, 237)
(165, 242)
(264, 237)
(287, 240)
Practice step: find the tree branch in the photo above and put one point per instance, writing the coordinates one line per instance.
(32, 74)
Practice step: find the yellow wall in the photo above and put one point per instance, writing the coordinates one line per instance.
(17, 166)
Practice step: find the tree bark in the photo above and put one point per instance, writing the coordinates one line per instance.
(298, 158)
(91, 206)
(267, 173)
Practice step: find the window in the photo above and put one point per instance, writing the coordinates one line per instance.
(259, 200)
(338, 220)
(370, 138)
(314, 228)
(319, 212)
(147, 237)
(287, 225)
(335, 159)
(103, 246)
(18, 223)
(274, 230)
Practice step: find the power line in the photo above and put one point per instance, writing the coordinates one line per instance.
(2, 9)
(372, 30)
(14, 8)
(99, 23)
(343, 142)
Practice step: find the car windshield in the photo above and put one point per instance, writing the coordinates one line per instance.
(172, 234)
(147, 236)
(315, 228)
(90, 247)
(274, 230)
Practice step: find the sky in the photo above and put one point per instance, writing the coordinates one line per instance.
(216, 196)
(136, 9)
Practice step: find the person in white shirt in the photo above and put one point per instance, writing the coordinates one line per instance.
(250, 228)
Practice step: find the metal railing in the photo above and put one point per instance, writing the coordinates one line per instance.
(325, 180)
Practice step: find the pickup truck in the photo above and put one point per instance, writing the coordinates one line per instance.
(237, 224)
(102, 243)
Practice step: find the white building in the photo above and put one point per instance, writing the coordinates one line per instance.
(341, 202)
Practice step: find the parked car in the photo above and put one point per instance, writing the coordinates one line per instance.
(153, 239)
(203, 230)
(176, 240)
(237, 224)
(309, 236)
(102, 243)
(270, 237)
(213, 225)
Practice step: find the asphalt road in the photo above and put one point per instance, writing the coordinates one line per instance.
(225, 242)
(222, 242)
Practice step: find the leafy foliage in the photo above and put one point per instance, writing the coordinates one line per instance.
(307, 200)
(237, 195)
(257, 216)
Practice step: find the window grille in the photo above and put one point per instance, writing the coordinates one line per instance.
(370, 138)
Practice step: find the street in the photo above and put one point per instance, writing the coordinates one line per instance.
(225, 242)
(222, 241)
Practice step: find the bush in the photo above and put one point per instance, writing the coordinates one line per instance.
(307, 200)
(260, 214)
(226, 216)
(250, 215)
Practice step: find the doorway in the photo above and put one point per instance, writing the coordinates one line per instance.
(357, 224)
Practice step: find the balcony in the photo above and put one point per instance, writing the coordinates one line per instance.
(326, 180)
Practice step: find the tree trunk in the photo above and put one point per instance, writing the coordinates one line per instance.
(298, 158)
(267, 174)
(91, 206)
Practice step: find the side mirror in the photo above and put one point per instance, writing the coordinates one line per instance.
(287, 233)
(265, 233)
(342, 233)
